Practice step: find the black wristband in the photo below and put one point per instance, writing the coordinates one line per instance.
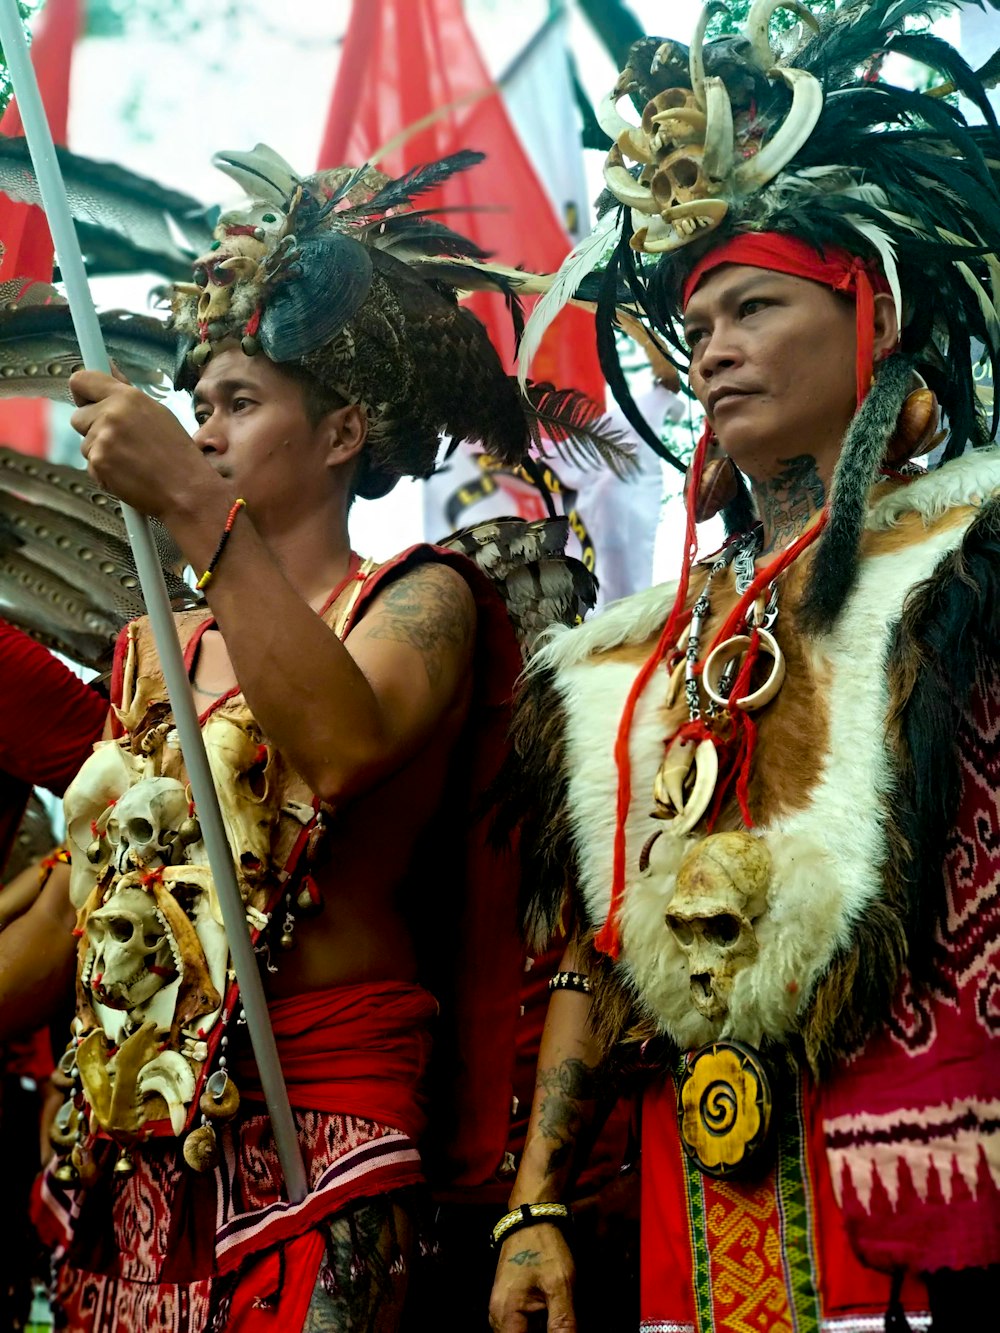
(570, 981)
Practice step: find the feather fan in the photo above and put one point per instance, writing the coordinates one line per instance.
(108, 197)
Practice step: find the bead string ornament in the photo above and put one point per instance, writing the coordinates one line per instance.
(209, 573)
(719, 746)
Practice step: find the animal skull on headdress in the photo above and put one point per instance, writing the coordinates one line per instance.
(143, 829)
(721, 891)
(133, 953)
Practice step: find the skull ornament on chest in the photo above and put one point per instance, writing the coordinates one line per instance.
(721, 891)
(132, 951)
(144, 826)
(243, 770)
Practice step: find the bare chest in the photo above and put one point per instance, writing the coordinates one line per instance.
(213, 674)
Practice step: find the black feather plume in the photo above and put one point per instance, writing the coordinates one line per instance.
(418, 180)
(577, 428)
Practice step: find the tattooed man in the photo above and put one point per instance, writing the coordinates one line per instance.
(768, 795)
(351, 714)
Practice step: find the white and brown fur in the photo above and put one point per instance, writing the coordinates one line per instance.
(824, 792)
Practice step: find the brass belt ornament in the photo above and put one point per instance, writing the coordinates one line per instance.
(725, 1108)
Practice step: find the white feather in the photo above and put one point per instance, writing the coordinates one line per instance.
(580, 261)
(984, 299)
(887, 254)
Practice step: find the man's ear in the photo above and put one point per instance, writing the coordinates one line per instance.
(347, 430)
(886, 326)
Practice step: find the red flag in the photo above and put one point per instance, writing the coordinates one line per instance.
(401, 61)
(23, 228)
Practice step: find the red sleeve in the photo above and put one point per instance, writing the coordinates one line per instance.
(49, 718)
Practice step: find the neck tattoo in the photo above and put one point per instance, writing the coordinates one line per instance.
(787, 501)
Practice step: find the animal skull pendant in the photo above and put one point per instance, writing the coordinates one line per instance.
(133, 953)
(721, 891)
(143, 827)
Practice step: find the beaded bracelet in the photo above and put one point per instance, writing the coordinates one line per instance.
(529, 1215)
(570, 981)
(206, 578)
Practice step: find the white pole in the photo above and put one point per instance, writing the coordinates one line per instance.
(154, 591)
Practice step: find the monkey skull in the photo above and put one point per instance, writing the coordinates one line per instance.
(133, 953)
(142, 829)
(721, 891)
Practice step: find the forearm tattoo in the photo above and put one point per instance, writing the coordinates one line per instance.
(570, 1090)
(787, 501)
(429, 610)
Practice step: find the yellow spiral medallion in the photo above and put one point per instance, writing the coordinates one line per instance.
(724, 1108)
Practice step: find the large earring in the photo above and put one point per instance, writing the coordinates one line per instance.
(917, 426)
(720, 483)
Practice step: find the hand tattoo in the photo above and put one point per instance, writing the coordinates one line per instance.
(787, 501)
(526, 1258)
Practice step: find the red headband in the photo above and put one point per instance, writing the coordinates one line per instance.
(834, 268)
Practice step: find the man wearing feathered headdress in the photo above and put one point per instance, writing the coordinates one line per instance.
(351, 713)
(768, 795)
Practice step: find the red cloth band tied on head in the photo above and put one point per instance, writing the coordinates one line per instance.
(834, 268)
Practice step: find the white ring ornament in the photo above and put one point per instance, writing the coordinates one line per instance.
(720, 658)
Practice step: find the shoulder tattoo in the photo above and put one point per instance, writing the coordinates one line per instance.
(430, 609)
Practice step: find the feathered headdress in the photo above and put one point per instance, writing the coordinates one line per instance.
(341, 276)
(815, 142)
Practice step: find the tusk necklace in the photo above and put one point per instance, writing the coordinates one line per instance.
(715, 745)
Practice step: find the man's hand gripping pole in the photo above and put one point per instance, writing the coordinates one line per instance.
(95, 357)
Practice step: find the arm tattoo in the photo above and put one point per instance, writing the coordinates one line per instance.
(526, 1258)
(430, 611)
(562, 1116)
(788, 500)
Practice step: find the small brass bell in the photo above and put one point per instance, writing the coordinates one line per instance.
(189, 831)
(200, 354)
(67, 1173)
(287, 940)
(307, 904)
(124, 1166)
(250, 345)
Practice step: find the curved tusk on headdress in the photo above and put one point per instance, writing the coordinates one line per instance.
(634, 143)
(759, 22)
(807, 105)
(695, 121)
(624, 186)
(717, 160)
(609, 118)
(706, 767)
(696, 55)
(661, 236)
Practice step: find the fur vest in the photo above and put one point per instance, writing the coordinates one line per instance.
(851, 790)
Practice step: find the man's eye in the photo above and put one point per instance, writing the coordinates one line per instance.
(693, 336)
(751, 307)
(240, 403)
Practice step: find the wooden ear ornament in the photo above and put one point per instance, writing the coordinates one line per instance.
(719, 483)
(917, 426)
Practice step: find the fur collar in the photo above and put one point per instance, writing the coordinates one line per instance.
(827, 833)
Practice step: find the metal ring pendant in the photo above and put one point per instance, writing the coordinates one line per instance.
(720, 658)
